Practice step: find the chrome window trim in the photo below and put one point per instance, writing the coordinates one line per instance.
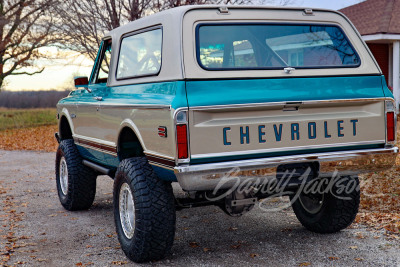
(123, 106)
(135, 106)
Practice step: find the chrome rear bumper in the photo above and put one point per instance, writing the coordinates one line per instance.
(207, 176)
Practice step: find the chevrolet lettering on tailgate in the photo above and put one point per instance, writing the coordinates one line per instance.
(233, 105)
(293, 130)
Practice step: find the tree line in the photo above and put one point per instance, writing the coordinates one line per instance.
(31, 99)
(27, 26)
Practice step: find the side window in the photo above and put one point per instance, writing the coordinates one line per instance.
(140, 54)
(104, 66)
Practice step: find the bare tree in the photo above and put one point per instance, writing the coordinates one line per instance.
(25, 27)
(84, 22)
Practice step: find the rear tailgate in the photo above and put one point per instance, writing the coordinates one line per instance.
(236, 119)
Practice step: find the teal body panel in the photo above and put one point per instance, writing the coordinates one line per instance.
(386, 90)
(228, 92)
(91, 154)
(171, 93)
(163, 93)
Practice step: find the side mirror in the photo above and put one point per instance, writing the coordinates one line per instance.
(81, 81)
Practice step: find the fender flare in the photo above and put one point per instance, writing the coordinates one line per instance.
(65, 113)
(128, 123)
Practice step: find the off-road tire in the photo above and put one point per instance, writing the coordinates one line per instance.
(81, 186)
(154, 216)
(337, 211)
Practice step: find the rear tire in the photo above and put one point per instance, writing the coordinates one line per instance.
(144, 211)
(76, 183)
(331, 211)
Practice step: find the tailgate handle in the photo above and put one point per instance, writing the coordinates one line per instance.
(292, 106)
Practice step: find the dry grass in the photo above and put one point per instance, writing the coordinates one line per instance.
(380, 198)
(23, 118)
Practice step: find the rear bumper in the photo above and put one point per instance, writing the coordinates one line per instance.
(226, 174)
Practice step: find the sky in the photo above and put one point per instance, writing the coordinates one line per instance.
(58, 74)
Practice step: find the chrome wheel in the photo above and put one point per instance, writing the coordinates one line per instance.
(127, 210)
(312, 203)
(63, 176)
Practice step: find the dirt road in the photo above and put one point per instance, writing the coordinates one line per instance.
(36, 231)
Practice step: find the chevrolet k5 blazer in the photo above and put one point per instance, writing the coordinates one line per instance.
(235, 104)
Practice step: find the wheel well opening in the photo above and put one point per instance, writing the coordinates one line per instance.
(129, 145)
(65, 130)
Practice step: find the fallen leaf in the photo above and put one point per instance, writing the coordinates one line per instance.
(119, 262)
(193, 244)
(333, 258)
(305, 264)
(253, 255)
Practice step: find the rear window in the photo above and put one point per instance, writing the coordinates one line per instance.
(273, 46)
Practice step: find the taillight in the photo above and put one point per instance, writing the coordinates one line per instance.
(182, 141)
(390, 126)
(390, 109)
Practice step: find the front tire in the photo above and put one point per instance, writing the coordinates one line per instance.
(144, 211)
(333, 210)
(76, 183)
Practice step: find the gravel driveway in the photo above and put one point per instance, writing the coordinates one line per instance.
(36, 230)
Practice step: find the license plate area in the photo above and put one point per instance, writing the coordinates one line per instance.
(297, 173)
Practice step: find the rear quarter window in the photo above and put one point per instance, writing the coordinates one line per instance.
(273, 46)
(140, 54)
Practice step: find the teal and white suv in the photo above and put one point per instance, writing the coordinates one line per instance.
(232, 103)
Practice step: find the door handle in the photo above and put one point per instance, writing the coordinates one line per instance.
(98, 98)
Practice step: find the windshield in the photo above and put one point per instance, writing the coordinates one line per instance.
(273, 46)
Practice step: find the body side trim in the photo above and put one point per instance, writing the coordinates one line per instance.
(95, 145)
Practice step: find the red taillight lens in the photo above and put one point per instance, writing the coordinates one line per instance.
(181, 134)
(390, 126)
